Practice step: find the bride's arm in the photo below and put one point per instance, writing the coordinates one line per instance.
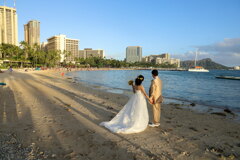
(133, 87)
(144, 93)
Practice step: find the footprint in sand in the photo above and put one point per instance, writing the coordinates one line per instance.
(109, 108)
(194, 129)
(61, 131)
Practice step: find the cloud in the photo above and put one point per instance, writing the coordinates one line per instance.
(229, 45)
(226, 52)
(190, 55)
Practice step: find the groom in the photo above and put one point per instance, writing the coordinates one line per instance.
(155, 95)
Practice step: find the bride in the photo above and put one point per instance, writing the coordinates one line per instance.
(133, 117)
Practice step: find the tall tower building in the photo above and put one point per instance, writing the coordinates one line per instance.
(134, 54)
(8, 25)
(32, 32)
(63, 44)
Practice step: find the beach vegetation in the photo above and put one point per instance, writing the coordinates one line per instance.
(113, 63)
(25, 55)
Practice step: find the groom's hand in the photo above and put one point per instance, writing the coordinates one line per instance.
(151, 101)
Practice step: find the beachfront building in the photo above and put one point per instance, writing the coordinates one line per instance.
(8, 25)
(89, 52)
(133, 54)
(68, 47)
(44, 46)
(32, 32)
(72, 50)
(161, 59)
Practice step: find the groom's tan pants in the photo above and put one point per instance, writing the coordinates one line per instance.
(156, 112)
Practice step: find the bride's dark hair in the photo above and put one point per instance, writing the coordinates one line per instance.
(139, 80)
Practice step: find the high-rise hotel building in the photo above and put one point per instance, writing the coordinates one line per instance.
(32, 32)
(68, 47)
(8, 25)
(134, 54)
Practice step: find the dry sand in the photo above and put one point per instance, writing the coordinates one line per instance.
(46, 116)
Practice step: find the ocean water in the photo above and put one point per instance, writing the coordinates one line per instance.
(199, 88)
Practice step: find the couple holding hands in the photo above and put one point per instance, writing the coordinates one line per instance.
(133, 117)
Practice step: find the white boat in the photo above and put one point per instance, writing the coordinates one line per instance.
(197, 68)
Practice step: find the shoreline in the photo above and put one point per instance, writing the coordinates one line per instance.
(231, 113)
(227, 112)
(59, 118)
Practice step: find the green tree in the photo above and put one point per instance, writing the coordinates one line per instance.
(67, 55)
(27, 49)
(9, 51)
(52, 58)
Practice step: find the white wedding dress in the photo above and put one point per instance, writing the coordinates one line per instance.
(133, 117)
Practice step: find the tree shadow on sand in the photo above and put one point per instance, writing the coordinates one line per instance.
(87, 132)
(68, 136)
(8, 111)
(176, 147)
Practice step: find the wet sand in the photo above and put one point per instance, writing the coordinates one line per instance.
(56, 118)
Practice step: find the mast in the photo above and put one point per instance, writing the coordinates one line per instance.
(195, 63)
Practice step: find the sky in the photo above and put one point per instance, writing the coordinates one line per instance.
(178, 27)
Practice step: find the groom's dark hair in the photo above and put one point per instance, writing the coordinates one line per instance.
(155, 72)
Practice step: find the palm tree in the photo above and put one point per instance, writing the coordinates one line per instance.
(8, 51)
(52, 58)
(67, 55)
(36, 54)
(26, 49)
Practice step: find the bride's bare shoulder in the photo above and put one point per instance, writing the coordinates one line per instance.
(142, 87)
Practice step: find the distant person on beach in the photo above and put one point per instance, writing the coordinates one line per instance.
(155, 94)
(133, 117)
(10, 69)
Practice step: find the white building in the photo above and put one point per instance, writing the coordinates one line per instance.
(161, 59)
(64, 45)
(89, 52)
(44, 46)
(134, 54)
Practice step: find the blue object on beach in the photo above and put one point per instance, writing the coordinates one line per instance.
(37, 68)
(3, 84)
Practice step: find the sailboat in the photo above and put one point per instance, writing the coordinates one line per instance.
(197, 68)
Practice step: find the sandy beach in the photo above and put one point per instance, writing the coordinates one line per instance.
(46, 116)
